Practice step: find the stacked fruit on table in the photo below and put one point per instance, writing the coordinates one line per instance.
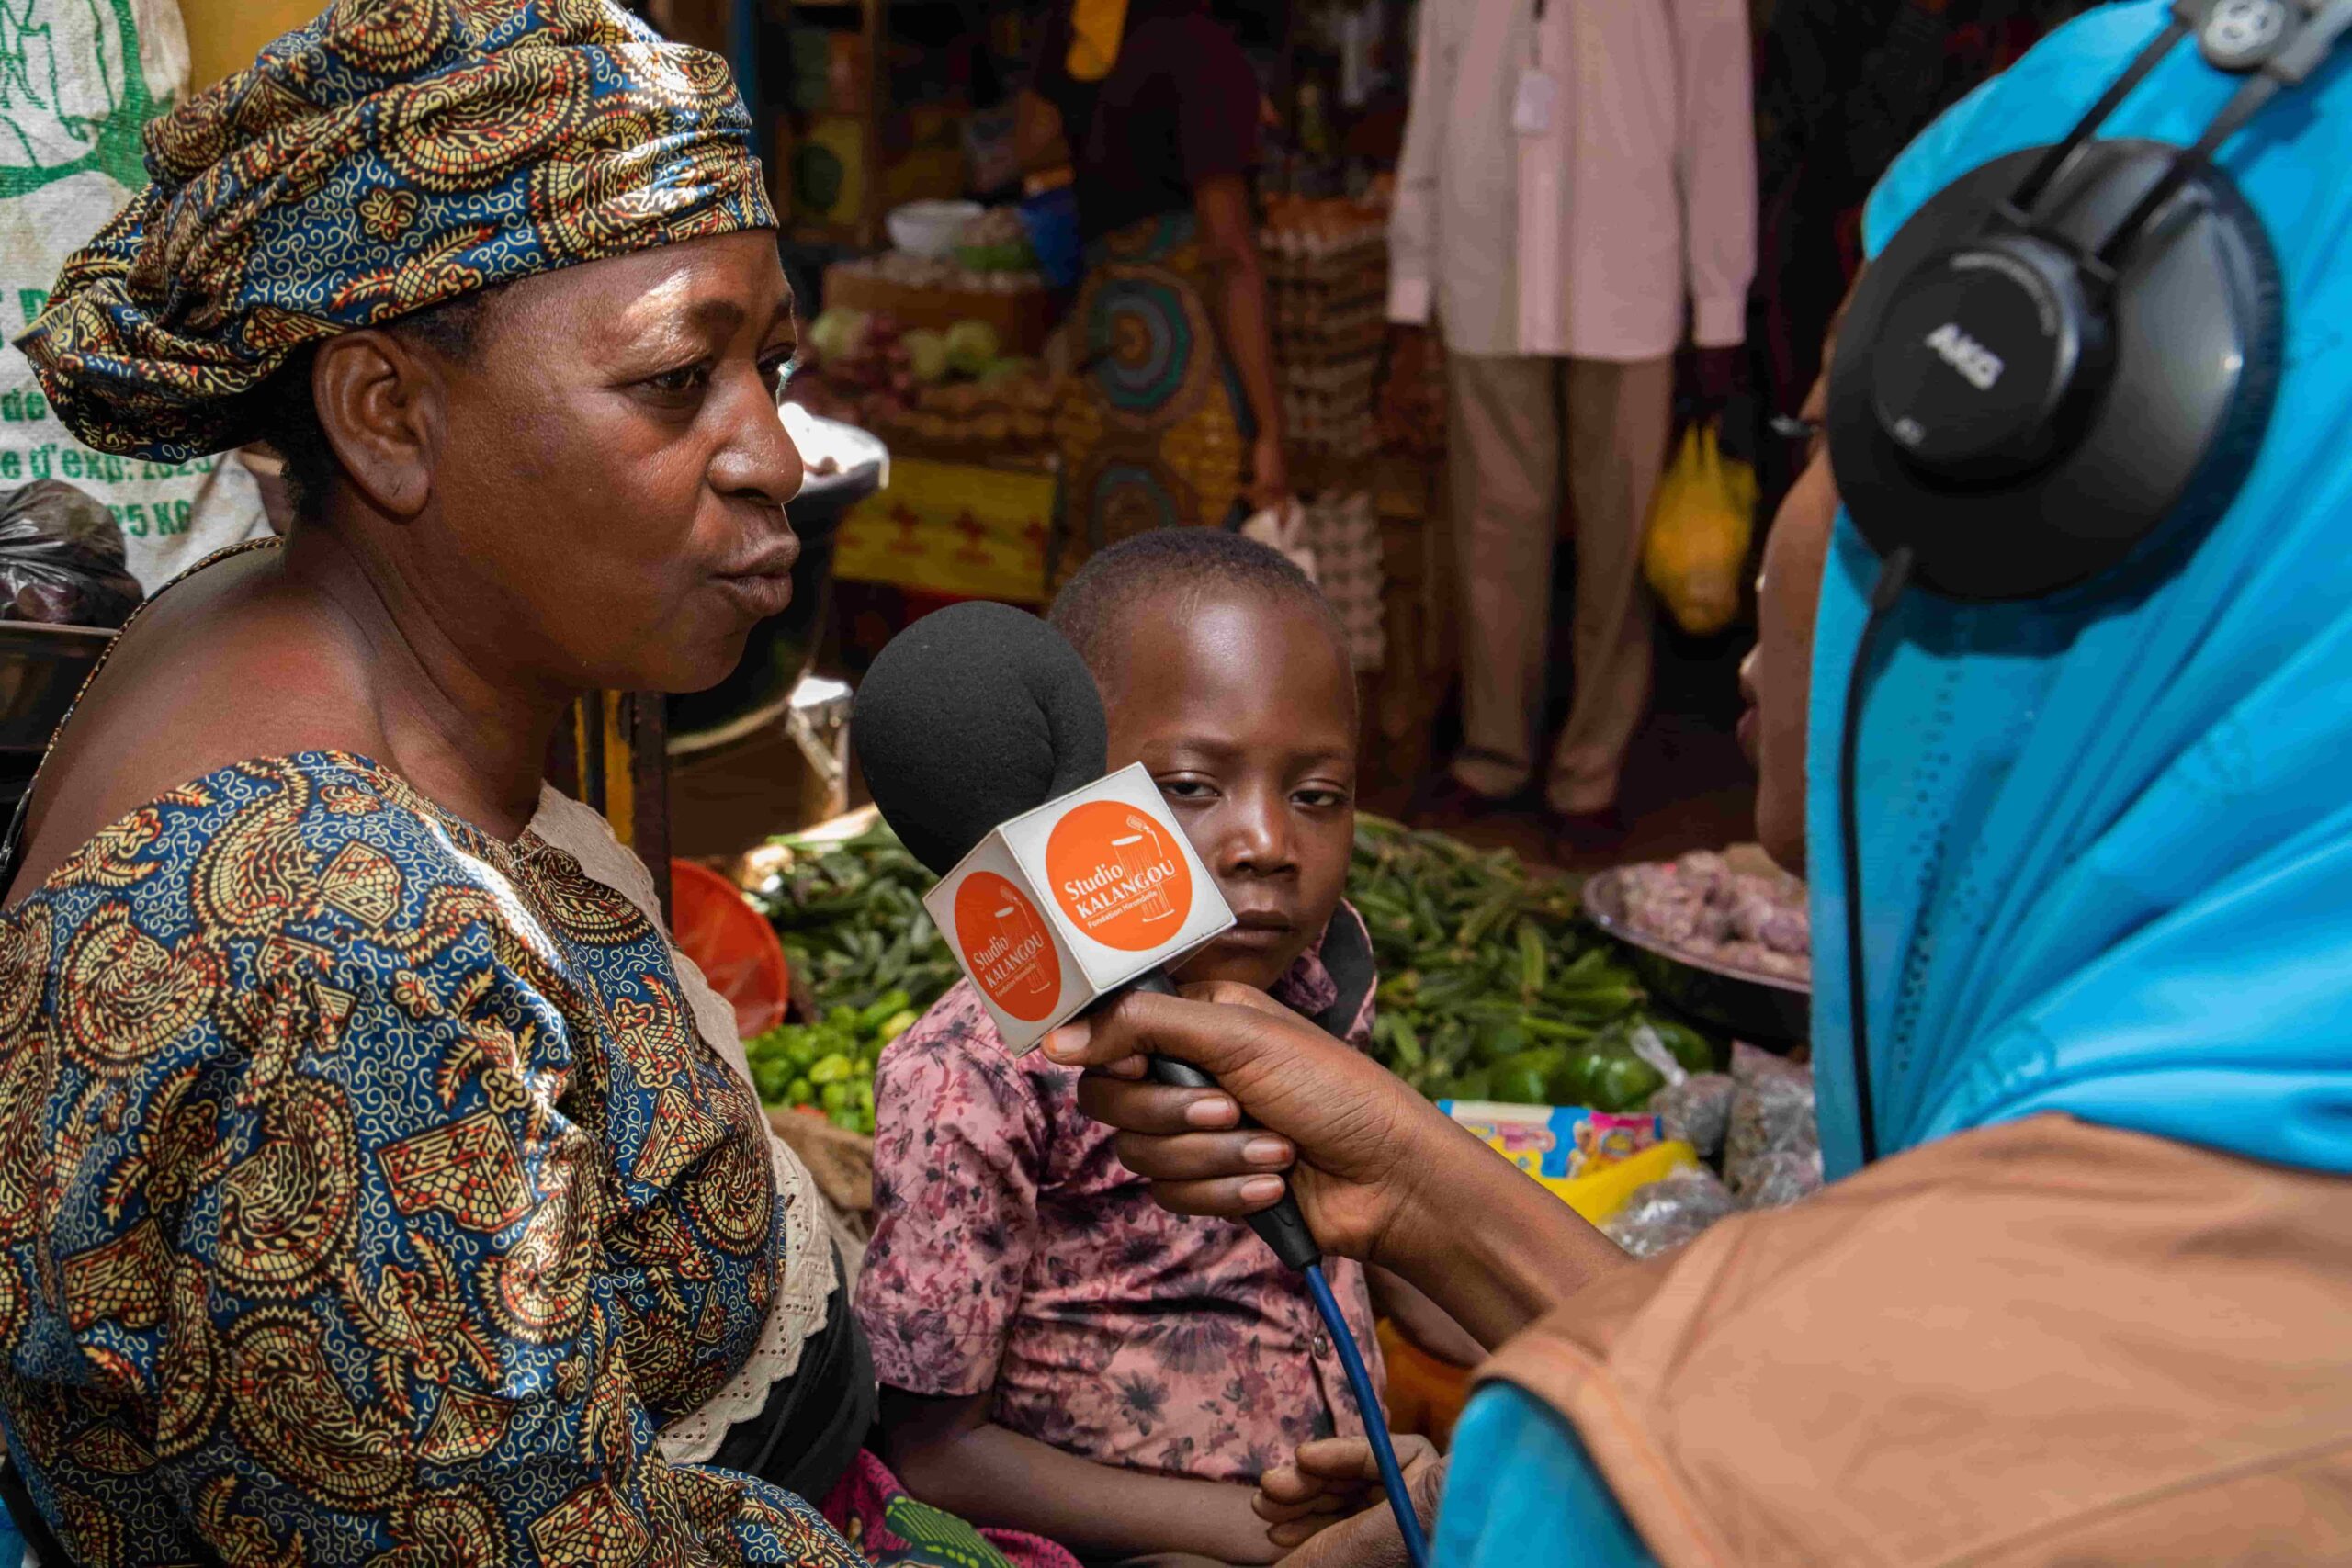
(934, 387)
(1299, 226)
(995, 245)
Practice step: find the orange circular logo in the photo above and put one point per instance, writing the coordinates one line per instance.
(1119, 876)
(1007, 950)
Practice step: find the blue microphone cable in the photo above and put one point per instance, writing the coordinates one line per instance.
(1376, 1423)
(1284, 1228)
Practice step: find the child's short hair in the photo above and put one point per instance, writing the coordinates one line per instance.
(1090, 607)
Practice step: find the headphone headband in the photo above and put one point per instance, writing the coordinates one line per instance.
(2278, 43)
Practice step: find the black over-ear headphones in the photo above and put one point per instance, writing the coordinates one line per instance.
(2064, 360)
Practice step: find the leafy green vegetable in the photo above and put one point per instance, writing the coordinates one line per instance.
(1495, 987)
(853, 927)
(866, 961)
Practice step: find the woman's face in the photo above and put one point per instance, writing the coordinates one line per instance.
(610, 479)
(1778, 676)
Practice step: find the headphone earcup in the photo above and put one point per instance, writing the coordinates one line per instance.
(2214, 486)
(2194, 316)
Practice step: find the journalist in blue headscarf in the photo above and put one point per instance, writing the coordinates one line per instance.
(2106, 843)
(2096, 1304)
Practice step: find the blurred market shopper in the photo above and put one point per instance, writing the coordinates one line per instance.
(1176, 416)
(2095, 1305)
(1577, 196)
(367, 1191)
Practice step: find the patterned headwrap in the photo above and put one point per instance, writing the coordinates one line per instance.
(391, 156)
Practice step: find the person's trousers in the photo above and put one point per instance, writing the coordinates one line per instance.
(1519, 427)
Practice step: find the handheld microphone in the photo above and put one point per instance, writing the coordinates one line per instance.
(969, 722)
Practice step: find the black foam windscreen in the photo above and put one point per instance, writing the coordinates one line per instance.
(972, 715)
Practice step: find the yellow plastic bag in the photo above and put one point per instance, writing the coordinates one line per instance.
(1700, 526)
(1599, 1196)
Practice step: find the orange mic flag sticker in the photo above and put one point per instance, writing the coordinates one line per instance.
(1007, 950)
(1119, 876)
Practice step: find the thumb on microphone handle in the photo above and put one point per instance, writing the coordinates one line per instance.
(1282, 1227)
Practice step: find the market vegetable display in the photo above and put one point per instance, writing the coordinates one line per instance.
(996, 242)
(850, 915)
(1700, 905)
(1493, 987)
(866, 961)
(828, 1067)
(959, 275)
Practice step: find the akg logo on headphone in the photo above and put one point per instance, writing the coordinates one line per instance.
(1977, 365)
(2241, 34)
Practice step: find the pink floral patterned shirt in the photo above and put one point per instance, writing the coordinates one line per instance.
(1013, 1252)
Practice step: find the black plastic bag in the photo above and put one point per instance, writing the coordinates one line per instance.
(1697, 1111)
(1772, 1145)
(61, 559)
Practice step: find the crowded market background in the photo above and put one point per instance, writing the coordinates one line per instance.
(1396, 451)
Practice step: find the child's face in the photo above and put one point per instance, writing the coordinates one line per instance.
(1245, 712)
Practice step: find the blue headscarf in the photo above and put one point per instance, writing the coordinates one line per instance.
(2107, 847)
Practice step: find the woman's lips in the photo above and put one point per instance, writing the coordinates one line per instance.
(758, 596)
(762, 585)
(1747, 722)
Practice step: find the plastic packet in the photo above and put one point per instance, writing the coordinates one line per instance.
(1670, 1212)
(1283, 530)
(1697, 1111)
(61, 559)
(1555, 1143)
(1772, 1143)
(1692, 1107)
(1646, 1044)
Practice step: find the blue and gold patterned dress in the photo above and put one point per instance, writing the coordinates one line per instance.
(367, 1196)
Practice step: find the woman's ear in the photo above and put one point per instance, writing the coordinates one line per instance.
(380, 405)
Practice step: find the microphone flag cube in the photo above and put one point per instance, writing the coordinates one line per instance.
(1065, 904)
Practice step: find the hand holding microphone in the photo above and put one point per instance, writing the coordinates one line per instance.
(1368, 1135)
(1381, 1176)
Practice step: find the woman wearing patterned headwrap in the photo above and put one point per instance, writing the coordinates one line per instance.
(367, 1193)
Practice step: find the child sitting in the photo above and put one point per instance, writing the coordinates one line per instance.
(1057, 1353)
